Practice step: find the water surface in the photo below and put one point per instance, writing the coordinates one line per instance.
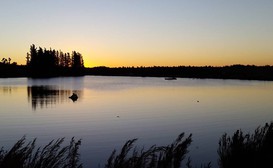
(111, 110)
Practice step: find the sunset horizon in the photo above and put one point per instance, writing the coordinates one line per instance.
(151, 63)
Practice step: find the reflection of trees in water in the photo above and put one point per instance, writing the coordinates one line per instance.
(42, 96)
(6, 89)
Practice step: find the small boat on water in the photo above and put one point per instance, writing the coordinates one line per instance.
(74, 97)
(170, 78)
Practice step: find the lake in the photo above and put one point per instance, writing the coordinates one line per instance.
(112, 110)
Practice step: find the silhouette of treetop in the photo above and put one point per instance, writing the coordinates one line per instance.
(44, 62)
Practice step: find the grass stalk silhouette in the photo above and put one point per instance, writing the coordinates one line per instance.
(247, 150)
(170, 156)
(53, 155)
(237, 150)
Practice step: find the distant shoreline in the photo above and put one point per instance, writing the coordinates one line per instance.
(240, 72)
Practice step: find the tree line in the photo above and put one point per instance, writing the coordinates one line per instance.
(51, 62)
(7, 61)
(11, 69)
(247, 72)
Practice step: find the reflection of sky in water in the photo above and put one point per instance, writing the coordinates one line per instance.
(151, 109)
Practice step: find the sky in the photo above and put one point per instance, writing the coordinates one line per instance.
(118, 33)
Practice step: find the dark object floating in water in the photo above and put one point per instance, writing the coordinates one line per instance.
(74, 97)
(170, 78)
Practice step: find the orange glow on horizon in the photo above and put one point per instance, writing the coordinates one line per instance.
(91, 61)
(100, 55)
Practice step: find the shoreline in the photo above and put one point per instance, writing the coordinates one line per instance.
(238, 72)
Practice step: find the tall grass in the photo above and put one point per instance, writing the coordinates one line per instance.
(238, 150)
(53, 155)
(247, 150)
(170, 156)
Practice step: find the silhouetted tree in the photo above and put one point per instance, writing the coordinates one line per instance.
(44, 62)
(4, 61)
(61, 59)
(33, 56)
(28, 59)
(77, 61)
(67, 60)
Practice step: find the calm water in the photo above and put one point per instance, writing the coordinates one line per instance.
(151, 109)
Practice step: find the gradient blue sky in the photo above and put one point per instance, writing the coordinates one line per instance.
(141, 32)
